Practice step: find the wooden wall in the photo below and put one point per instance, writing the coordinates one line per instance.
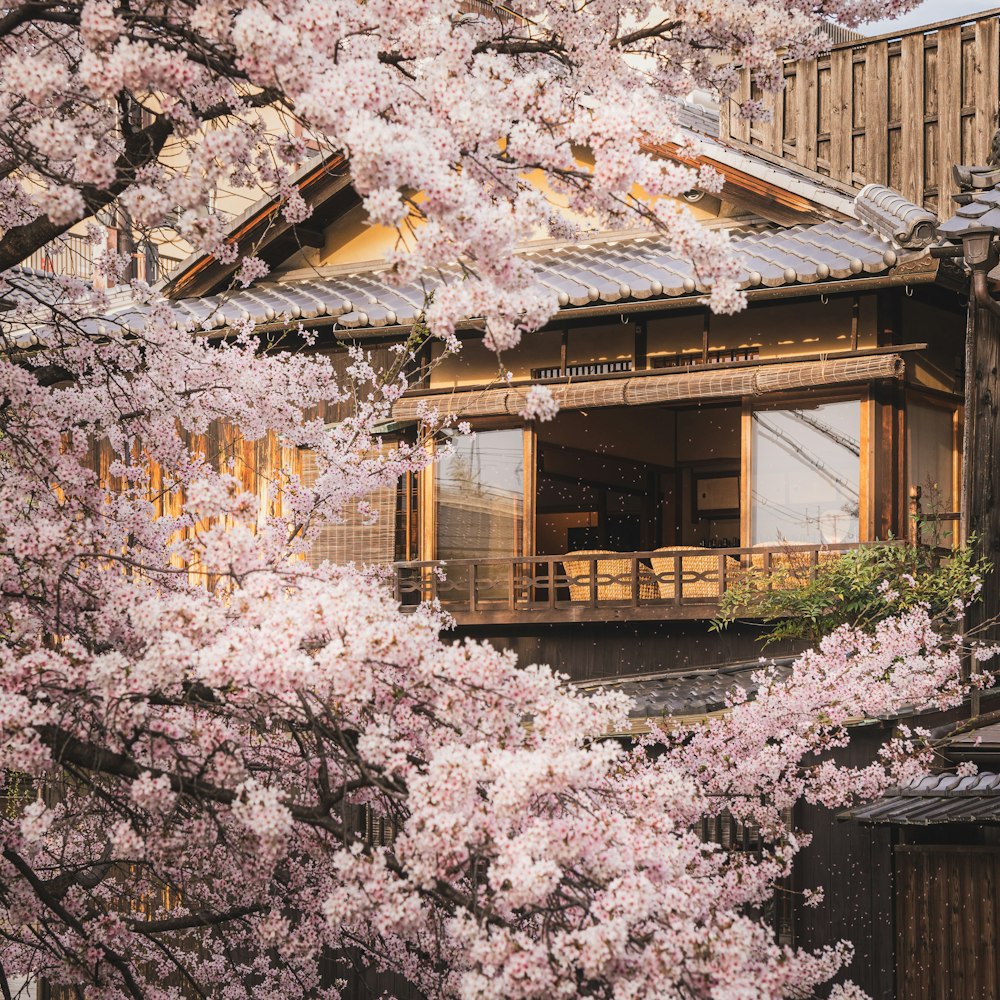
(853, 865)
(897, 110)
(591, 651)
(947, 912)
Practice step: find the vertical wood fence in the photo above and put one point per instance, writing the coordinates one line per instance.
(947, 911)
(895, 109)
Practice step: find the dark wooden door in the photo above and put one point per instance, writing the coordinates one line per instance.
(947, 911)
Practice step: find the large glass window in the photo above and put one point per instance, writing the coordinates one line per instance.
(806, 477)
(932, 464)
(930, 453)
(480, 496)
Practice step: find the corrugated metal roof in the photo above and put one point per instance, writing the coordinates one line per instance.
(608, 270)
(936, 798)
(983, 736)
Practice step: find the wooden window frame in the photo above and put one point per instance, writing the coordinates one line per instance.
(427, 487)
(866, 459)
(940, 401)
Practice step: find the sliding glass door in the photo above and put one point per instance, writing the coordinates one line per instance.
(479, 506)
(806, 473)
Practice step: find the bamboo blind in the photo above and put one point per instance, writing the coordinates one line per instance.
(353, 540)
(750, 380)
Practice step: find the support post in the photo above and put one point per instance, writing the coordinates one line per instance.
(981, 454)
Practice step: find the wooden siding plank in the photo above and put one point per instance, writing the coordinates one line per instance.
(987, 85)
(895, 115)
(776, 127)
(806, 94)
(911, 72)
(790, 113)
(877, 113)
(949, 151)
(988, 981)
(841, 115)
(740, 126)
(726, 117)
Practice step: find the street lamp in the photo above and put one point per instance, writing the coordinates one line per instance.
(975, 225)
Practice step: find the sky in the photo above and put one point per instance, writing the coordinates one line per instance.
(930, 11)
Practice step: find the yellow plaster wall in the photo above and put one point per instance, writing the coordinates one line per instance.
(474, 365)
(353, 240)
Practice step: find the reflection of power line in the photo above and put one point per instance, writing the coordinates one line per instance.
(846, 442)
(817, 464)
(459, 488)
(783, 510)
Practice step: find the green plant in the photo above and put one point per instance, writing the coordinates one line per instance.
(799, 600)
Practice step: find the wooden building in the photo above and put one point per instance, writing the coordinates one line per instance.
(688, 448)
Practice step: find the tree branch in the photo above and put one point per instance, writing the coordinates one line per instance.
(193, 920)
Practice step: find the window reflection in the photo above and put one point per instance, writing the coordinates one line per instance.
(932, 464)
(480, 499)
(806, 478)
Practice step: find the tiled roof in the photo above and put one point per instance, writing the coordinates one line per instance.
(28, 285)
(984, 736)
(605, 271)
(699, 126)
(979, 204)
(895, 218)
(685, 694)
(936, 798)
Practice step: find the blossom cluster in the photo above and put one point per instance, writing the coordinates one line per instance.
(206, 723)
(449, 121)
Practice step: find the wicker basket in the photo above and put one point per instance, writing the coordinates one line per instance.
(699, 573)
(614, 577)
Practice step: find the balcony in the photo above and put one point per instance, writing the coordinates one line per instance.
(671, 584)
(74, 255)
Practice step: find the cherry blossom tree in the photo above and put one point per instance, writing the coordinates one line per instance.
(198, 728)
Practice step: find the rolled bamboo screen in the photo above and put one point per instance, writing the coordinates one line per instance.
(639, 390)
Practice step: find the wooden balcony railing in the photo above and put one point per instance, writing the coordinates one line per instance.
(74, 256)
(673, 583)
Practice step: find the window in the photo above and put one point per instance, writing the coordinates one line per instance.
(806, 476)
(480, 496)
(932, 464)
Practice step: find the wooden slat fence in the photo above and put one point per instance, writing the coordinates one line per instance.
(897, 109)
